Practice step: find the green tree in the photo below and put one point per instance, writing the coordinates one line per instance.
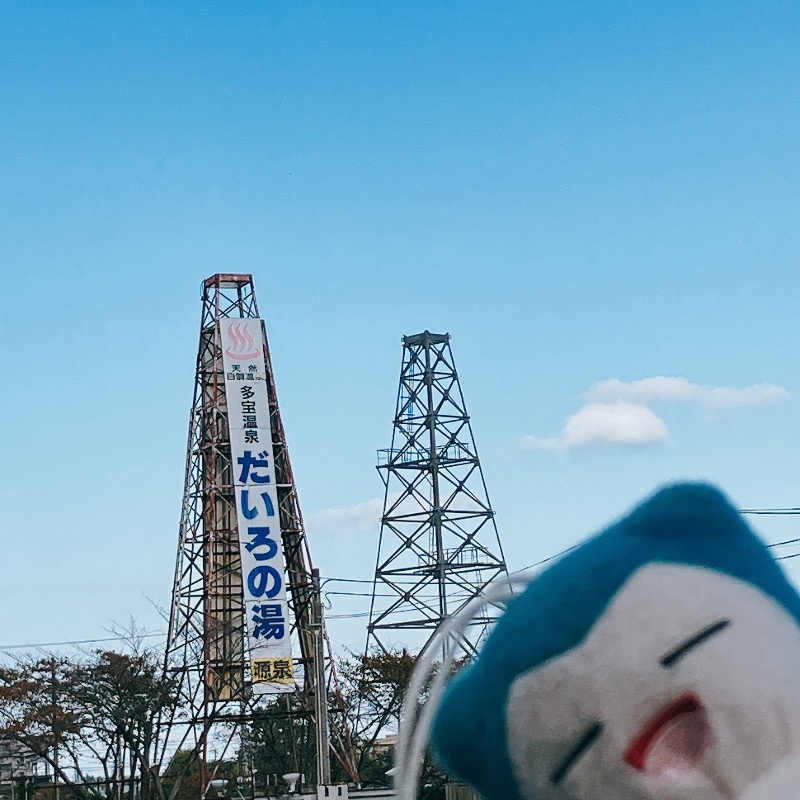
(281, 739)
(122, 697)
(105, 703)
(38, 709)
(374, 690)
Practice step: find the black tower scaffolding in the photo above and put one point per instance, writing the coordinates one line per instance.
(439, 545)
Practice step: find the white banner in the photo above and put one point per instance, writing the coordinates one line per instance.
(263, 568)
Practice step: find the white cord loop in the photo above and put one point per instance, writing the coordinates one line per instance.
(417, 721)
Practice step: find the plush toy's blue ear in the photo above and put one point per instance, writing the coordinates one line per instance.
(689, 524)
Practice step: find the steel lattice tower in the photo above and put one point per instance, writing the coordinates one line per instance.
(439, 545)
(207, 646)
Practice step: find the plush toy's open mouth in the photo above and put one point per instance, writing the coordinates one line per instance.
(675, 740)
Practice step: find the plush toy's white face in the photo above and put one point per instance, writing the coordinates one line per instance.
(687, 688)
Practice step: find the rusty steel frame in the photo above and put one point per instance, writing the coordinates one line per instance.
(206, 647)
(439, 545)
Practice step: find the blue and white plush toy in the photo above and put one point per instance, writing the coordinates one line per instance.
(660, 660)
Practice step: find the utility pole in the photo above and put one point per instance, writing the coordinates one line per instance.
(320, 690)
(56, 742)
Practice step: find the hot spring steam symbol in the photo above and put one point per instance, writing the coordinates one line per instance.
(244, 347)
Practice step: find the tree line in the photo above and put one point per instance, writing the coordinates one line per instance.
(93, 719)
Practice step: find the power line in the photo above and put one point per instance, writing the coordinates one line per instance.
(368, 594)
(80, 641)
(781, 544)
(569, 549)
(545, 560)
(766, 511)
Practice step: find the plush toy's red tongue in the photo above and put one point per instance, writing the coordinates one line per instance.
(675, 741)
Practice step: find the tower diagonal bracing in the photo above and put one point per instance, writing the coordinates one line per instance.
(213, 639)
(439, 545)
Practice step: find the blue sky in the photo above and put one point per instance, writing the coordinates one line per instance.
(577, 192)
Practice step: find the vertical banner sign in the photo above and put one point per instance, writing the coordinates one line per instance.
(263, 568)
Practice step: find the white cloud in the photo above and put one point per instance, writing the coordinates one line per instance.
(359, 518)
(618, 412)
(604, 423)
(669, 389)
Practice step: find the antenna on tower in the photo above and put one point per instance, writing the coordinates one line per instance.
(439, 546)
(246, 620)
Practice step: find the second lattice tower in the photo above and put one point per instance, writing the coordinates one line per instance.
(439, 545)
